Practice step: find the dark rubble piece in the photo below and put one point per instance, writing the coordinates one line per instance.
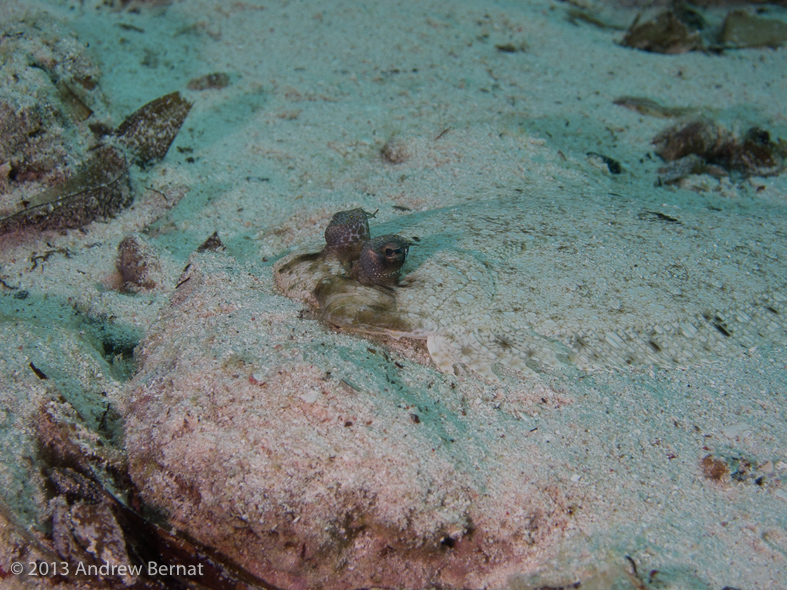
(612, 164)
(101, 189)
(137, 264)
(75, 106)
(212, 244)
(698, 136)
(754, 154)
(667, 33)
(575, 15)
(149, 131)
(510, 47)
(742, 30)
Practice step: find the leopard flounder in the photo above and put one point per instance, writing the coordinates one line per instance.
(538, 282)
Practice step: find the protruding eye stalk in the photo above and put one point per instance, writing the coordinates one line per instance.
(346, 234)
(374, 262)
(381, 261)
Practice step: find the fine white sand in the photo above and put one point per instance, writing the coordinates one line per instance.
(548, 479)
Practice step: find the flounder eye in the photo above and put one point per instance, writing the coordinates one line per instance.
(381, 261)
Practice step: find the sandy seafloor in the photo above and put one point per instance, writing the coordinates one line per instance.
(598, 466)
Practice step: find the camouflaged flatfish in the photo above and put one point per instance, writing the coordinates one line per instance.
(537, 282)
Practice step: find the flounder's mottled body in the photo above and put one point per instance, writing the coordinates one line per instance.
(534, 282)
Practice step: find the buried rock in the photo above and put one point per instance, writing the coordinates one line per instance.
(295, 452)
(101, 537)
(61, 166)
(49, 97)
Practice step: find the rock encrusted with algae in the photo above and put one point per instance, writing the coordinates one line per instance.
(318, 461)
(60, 164)
(50, 102)
(546, 281)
